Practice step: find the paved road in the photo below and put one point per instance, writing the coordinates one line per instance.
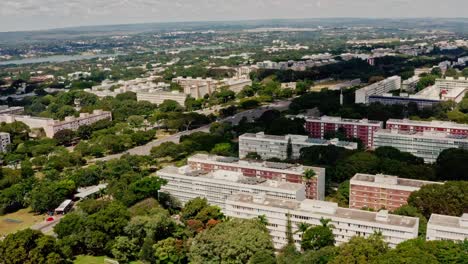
(250, 115)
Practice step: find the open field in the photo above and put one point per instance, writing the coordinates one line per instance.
(22, 219)
(95, 260)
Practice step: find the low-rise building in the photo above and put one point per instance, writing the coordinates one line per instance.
(159, 96)
(270, 146)
(51, 126)
(444, 227)
(347, 223)
(381, 191)
(354, 128)
(426, 145)
(4, 141)
(16, 110)
(216, 186)
(282, 172)
(378, 88)
(427, 126)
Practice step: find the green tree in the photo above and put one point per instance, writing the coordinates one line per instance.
(49, 194)
(124, 249)
(322, 256)
(222, 149)
(234, 241)
(318, 237)
(253, 156)
(64, 137)
(451, 165)
(170, 251)
(263, 257)
(170, 106)
(361, 250)
(408, 210)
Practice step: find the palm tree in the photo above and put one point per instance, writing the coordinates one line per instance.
(302, 227)
(307, 176)
(263, 220)
(325, 222)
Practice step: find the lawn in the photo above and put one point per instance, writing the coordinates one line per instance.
(95, 260)
(19, 220)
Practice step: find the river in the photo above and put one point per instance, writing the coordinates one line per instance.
(56, 58)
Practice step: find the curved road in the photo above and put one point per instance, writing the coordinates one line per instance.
(250, 115)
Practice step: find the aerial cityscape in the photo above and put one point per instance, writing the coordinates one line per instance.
(307, 132)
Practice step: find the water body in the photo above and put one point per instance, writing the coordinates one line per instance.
(57, 58)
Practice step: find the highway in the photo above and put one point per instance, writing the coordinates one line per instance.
(249, 114)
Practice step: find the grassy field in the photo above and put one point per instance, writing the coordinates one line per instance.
(95, 260)
(24, 217)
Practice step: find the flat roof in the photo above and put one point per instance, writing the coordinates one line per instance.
(342, 120)
(390, 180)
(432, 123)
(63, 205)
(449, 221)
(87, 191)
(425, 134)
(238, 178)
(327, 209)
(296, 168)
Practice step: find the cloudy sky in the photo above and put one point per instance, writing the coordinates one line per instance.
(42, 14)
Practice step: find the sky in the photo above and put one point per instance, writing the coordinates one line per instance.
(18, 15)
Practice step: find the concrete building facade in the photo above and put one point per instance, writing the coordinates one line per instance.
(444, 227)
(216, 186)
(426, 145)
(354, 128)
(4, 141)
(282, 172)
(51, 126)
(158, 97)
(347, 222)
(270, 146)
(378, 192)
(378, 88)
(427, 126)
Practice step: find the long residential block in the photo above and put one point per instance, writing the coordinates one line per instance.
(347, 222)
(430, 126)
(378, 88)
(381, 191)
(444, 227)
(270, 146)
(354, 128)
(51, 126)
(426, 145)
(282, 172)
(186, 184)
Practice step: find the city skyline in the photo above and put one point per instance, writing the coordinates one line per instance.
(48, 14)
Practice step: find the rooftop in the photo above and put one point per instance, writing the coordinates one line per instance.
(450, 221)
(390, 180)
(230, 176)
(343, 120)
(433, 123)
(252, 163)
(425, 134)
(327, 209)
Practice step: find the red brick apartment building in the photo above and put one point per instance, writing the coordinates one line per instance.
(381, 191)
(354, 128)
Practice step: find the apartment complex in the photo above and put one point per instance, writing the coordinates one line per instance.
(158, 96)
(51, 126)
(378, 88)
(282, 172)
(199, 87)
(427, 145)
(354, 128)
(451, 88)
(404, 99)
(347, 222)
(381, 191)
(216, 186)
(270, 146)
(427, 126)
(4, 141)
(444, 227)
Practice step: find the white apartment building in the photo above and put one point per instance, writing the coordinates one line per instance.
(451, 88)
(409, 85)
(186, 183)
(426, 145)
(4, 141)
(270, 146)
(158, 96)
(199, 87)
(378, 88)
(283, 172)
(51, 126)
(347, 222)
(444, 227)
